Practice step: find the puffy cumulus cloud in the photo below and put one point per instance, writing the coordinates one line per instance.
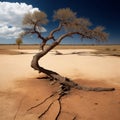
(9, 32)
(11, 15)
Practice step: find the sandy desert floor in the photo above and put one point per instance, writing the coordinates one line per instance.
(21, 88)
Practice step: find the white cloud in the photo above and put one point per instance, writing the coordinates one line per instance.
(11, 15)
(8, 32)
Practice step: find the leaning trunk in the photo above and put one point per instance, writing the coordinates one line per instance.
(35, 63)
(66, 83)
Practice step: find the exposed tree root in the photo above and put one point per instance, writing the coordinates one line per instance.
(74, 118)
(42, 101)
(65, 83)
(74, 27)
(60, 107)
(96, 89)
(63, 91)
(46, 110)
(65, 88)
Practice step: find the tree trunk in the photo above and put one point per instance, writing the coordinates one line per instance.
(66, 84)
(18, 46)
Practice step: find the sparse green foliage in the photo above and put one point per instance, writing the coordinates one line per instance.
(19, 42)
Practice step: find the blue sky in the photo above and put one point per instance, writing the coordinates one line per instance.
(99, 12)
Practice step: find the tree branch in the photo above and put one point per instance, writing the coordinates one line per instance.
(72, 33)
(51, 35)
(38, 33)
(56, 30)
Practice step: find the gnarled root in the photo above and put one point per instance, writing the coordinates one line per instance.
(42, 101)
(64, 90)
(60, 93)
(66, 85)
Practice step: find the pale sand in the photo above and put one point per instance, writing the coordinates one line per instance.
(19, 90)
(14, 67)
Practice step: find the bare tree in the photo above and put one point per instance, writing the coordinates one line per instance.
(19, 42)
(70, 25)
